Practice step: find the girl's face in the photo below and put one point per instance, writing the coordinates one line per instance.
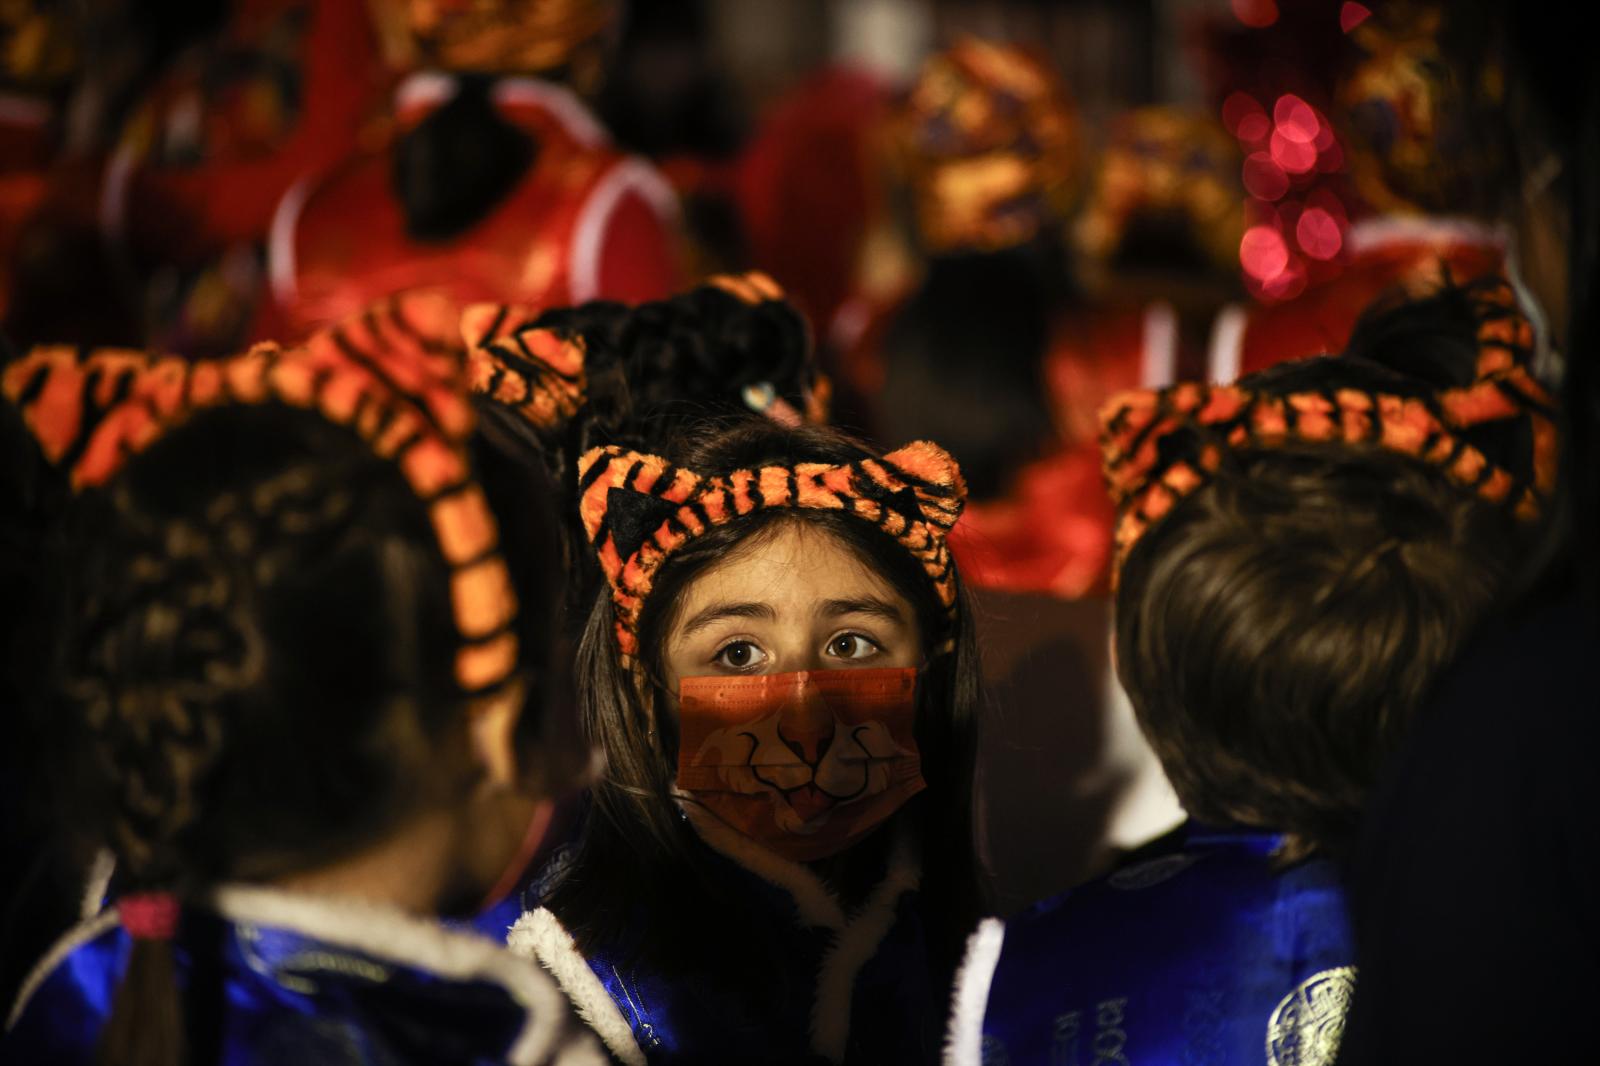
(795, 599)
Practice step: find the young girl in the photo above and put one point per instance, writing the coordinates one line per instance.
(310, 674)
(782, 675)
(1299, 557)
(558, 382)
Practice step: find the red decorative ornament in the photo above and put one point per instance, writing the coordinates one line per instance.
(1257, 14)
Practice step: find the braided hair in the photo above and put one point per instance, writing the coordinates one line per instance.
(263, 664)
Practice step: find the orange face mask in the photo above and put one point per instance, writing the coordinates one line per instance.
(805, 764)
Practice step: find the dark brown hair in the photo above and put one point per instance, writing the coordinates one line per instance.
(262, 666)
(1279, 629)
(634, 834)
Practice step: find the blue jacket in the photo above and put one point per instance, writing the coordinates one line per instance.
(1204, 952)
(298, 979)
(844, 986)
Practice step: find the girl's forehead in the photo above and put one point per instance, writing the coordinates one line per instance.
(795, 565)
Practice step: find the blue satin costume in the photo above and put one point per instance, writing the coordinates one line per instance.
(270, 993)
(1202, 953)
(701, 1010)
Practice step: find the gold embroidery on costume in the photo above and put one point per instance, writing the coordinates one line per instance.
(1307, 1024)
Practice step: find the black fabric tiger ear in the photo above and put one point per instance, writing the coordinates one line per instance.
(639, 509)
(632, 516)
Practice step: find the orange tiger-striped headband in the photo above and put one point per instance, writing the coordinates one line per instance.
(1146, 484)
(92, 411)
(639, 509)
(536, 372)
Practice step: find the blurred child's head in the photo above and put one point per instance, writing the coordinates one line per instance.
(1306, 564)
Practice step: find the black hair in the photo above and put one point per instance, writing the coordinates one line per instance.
(452, 170)
(634, 834)
(262, 663)
(964, 362)
(38, 893)
(658, 372)
(1279, 629)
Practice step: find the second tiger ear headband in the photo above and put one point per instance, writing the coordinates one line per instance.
(1146, 484)
(380, 375)
(540, 372)
(639, 509)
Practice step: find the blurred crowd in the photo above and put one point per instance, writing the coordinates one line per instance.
(1213, 380)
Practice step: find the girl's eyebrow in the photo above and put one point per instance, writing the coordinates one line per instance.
(716, 612)
(868, 605)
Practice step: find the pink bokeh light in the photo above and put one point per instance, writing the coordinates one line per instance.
(1263, 253)
(1352, 15)
(1257, 14)
(1296, 119)
(1254, 128)
(1294, 156)
(1238, 107)
(1318, 233)
(1264, 178)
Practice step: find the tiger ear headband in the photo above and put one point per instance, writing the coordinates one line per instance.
(91, 411)
(536, 372)
(1146, 482)
(639, 509)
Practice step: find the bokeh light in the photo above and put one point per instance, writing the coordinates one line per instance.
(1296, 119)
(1318, 233)
(1296, 157)
(1255, 128)
(1264, 253)
(1287, 283)
(1352, 15)
(1264, 178)
(1257, 14)
(1238, 107)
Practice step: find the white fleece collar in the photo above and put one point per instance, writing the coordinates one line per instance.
(387, 934)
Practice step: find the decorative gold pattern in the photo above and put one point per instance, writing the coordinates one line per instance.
(1307, 1024)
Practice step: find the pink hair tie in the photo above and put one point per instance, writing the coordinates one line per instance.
(149, 915)
(763, 399)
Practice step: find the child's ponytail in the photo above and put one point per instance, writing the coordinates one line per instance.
(146, 1027)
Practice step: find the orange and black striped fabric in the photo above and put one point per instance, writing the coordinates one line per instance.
(1145, 484)
(537, 372)
(90, 411)
(638, 509)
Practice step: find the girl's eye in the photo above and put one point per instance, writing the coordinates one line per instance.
(740, 655)
(852, 646)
